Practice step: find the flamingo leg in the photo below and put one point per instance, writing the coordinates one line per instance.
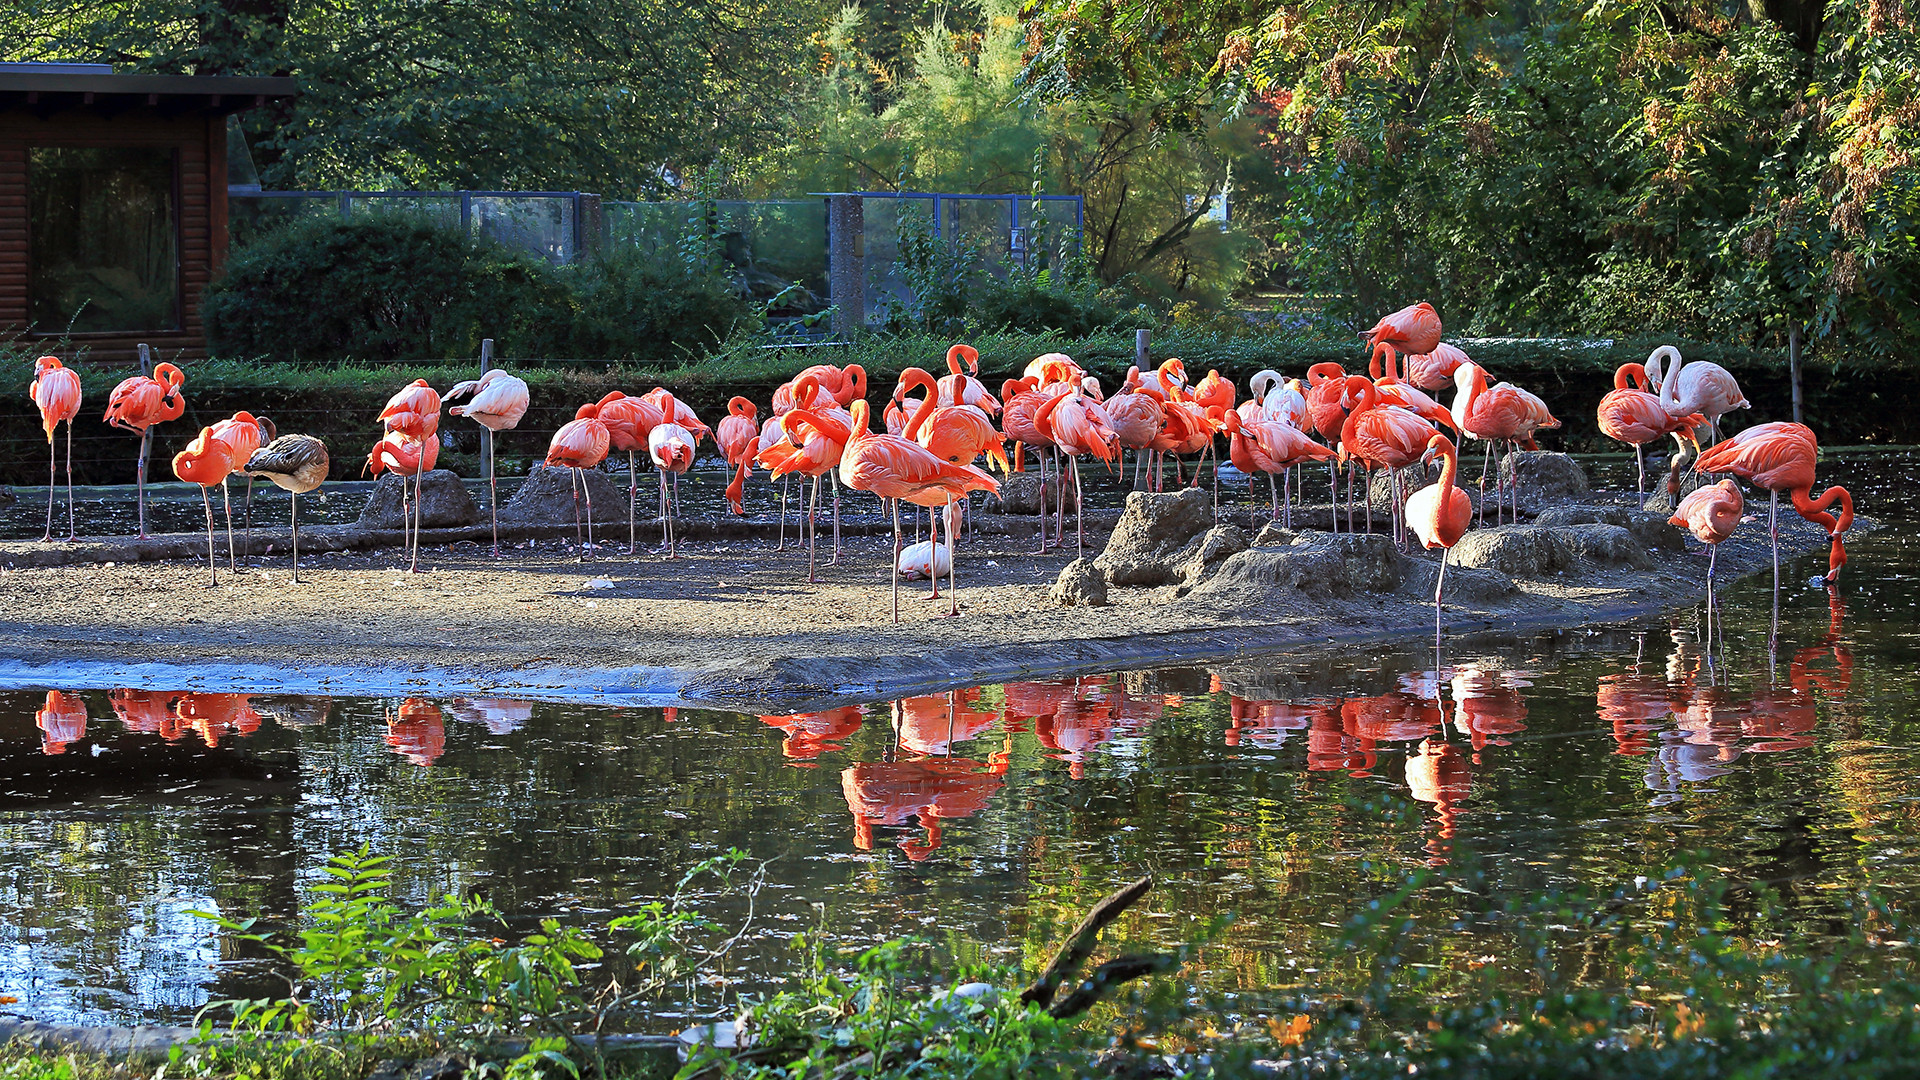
(227, 504)
(1773, 530)
(833, 478)
(246, 519)
(813, 528)
(573, 475)
(1079, 509)
(70, 529)
(896, 560)
(53, 465)
(1438, 585)
(588, 485)
(296, 537)
(1333, 492)
(213, 575)
(1640, 484)
(933, 544)
(140, 478)
(419, 498)
(1367, 495)
(953, 590)
(1486, 456)
(782, 545)
(493, 497)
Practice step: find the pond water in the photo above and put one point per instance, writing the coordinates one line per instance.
(1286, 791)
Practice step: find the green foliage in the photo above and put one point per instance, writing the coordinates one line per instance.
(1067, 299)
(596, 95)
(639, 310)
(383, 287)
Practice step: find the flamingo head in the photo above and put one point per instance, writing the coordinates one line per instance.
(590, 411)
(1438, 446)
(46, 364)
(1174, 372)
(1320, 373)
(742, 408)
(169, 375)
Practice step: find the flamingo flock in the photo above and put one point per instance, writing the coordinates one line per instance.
(932, 439)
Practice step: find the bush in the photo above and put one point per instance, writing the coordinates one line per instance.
(1059, 300)
(386, 287)
(637, 308)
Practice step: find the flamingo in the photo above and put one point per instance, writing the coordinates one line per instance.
(1780, 457)
(498, 402)
(62, 719)
(297, 464)
(895, 468)
(1414, 329)
(736, 436)
(1404, 394)
(1434, 370)
(581, 443)
(1137, 417)
(671, 444)
(629, 421)
(1327, 405)
(812, 451)
(205, 462)
(676, 412)
(1501, 413)
(1711, 514)
(1439, 514)
(807, 388)
(956, 433)
(1380, 435)
(405, 455)
(415, 412)
(56, 391)
(1078, 425)
(1279, 399)
(1703, 387)
(1631, 415)
(961, 386)
(242, 433)
(926, 559)
(1213, 392)
(1269, 446)
(1171, 374)
(136, 405)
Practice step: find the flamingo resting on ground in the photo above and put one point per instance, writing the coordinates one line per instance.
(136, 405)
(1439, 514)
(205, 462)
(56, 391)
(297, 464)
(498, 402)
(1780, 457)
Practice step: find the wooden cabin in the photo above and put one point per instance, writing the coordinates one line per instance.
(113, 203)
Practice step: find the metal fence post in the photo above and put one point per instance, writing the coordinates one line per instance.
(847, 261)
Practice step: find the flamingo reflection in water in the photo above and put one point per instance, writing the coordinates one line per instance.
(808, 735)
(500, 716)
(1488, 705)
(149, 712)
(214, 716)
(1439, 774)
(1074, 717)
(928, 790)
(931, 725)
(62, 720)
(1266, 724)
(419, 732)
(1334, 744)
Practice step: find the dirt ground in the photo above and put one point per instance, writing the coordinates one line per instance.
(731, 621)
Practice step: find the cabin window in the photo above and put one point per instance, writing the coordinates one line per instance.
(103, 239)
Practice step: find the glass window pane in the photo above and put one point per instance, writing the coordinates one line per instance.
(103, 254)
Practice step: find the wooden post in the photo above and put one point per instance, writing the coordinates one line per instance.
(486, 444)
(1793, 366)
(146, 359)
(1141, 358)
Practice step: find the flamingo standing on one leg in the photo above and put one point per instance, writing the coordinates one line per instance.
(956, 433)
(738, 436)
(1780, 457)
(677, 412)
(498, 402)
(56, 391)
(205, 462)
(298, 464)
(581, 443)
(136, 405)
(1491, 414)
(1631, 415)
(629, 421)
(896, 468)
(1711, 514)
(811, 450)
(1439, 515)
(1269, 446)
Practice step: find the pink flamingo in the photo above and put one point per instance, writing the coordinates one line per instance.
(56, 392)
(581, 443)
(499, 401)
(136, 405)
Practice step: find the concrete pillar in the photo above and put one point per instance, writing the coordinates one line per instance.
(847, 261)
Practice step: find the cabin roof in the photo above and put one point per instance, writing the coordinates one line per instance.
(49, 88)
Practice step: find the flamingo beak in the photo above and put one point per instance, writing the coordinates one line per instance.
(998, 456)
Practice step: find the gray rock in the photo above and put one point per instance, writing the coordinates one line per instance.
(1272, 535)
(1080, 584)
(7, 497)
(547, 497)
(1652, 531)
(1206, 552)
(445, 503)
(1023, 493)
(1465, 584)
(1544, 476)
(1317, 566)
(1514, 550)
(1152, 534)
(1605, 545)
